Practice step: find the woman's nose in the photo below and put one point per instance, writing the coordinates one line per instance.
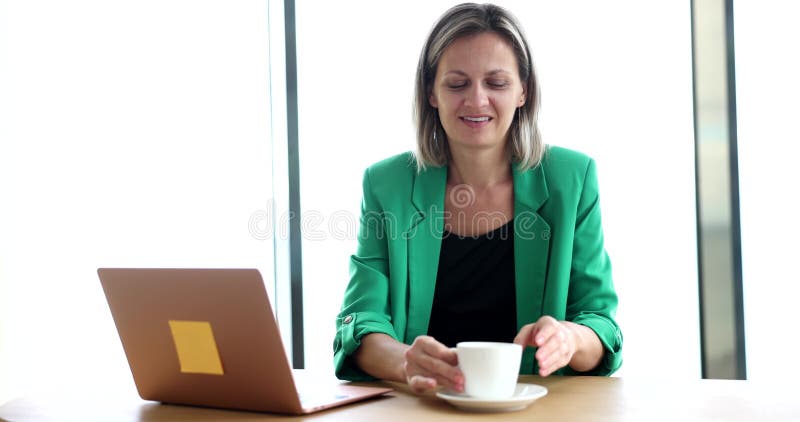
(476, 96)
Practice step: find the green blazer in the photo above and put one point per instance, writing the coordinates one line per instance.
(561, 267)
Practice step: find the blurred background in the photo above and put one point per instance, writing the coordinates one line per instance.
(172, 134)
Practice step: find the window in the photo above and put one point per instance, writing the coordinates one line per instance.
(616, 78)
(133, 134)
(767, 89)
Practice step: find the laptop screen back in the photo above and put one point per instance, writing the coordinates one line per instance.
(204, 337)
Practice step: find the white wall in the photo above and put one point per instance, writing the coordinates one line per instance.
(617, 84)
(767, 89)
(131, 134)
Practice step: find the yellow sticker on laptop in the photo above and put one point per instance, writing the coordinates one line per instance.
(197, 349)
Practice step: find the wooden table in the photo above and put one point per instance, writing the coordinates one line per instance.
(569, 399)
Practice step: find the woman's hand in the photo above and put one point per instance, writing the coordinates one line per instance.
(430, 364)
(557, 343)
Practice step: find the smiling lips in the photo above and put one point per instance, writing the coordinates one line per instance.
(476, 122)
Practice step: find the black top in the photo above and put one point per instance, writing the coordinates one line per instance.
(474, 299)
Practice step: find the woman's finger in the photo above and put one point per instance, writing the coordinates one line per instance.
(433, 361)
(449, 374)
(555, 353)
(552, 344)
(438, 350)
(421, 384)
(525, 335)
(555, 360)
(412, 369)
(547, 328)
(437, 359)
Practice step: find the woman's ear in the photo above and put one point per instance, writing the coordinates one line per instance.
(432, 100)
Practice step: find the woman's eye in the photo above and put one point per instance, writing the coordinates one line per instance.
(497, 84)
(456, 85)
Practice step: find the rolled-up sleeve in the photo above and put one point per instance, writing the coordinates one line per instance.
(366, 300)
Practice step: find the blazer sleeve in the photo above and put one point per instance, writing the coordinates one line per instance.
(592, 300)
(366, 300)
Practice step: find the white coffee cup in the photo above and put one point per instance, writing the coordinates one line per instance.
(490, 369)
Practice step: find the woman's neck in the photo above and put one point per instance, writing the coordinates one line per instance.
(479, 169)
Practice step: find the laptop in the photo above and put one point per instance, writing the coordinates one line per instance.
(208, 337)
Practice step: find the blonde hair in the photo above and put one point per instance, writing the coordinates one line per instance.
(524, 145)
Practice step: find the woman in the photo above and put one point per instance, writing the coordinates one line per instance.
(483, 233)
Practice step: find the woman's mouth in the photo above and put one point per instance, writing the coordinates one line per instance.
(476, 122)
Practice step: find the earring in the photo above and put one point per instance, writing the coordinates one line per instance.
(436, 128)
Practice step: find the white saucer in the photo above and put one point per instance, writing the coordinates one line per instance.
(524, 395)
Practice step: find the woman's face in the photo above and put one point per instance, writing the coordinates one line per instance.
(477, 90)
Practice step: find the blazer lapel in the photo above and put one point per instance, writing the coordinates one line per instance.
(531, 248)
(424, 244)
